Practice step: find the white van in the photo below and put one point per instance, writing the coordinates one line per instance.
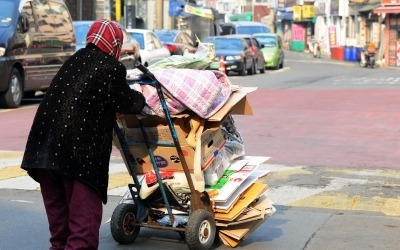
(36, 38)
(244, 27)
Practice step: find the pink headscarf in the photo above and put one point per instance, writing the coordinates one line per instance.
(106, 35)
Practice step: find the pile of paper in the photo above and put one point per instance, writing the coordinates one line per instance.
(239, 200)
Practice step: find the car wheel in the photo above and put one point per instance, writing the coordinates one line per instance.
(277, 66)
(13, 96)
(242, 72)
(251, 70)
(262, 69)
(281, 65)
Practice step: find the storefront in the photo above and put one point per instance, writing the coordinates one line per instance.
(391, 10)
(302, 26)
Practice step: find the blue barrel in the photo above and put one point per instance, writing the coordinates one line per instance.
(353, 54)
(358, 53)
(347, 53)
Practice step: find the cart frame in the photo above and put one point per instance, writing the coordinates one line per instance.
(200, 229)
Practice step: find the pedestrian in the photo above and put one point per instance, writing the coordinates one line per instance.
(69, 145)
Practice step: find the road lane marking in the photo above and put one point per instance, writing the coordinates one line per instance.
(11, 172)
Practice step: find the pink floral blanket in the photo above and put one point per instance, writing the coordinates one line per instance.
(202, 91)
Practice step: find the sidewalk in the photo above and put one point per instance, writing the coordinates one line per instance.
(327, 59)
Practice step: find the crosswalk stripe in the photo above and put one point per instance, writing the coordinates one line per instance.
(11, 172)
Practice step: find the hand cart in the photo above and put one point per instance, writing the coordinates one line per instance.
(132, 213)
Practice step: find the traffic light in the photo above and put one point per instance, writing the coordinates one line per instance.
(116, 6)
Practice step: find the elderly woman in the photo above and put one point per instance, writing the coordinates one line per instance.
(70, 142)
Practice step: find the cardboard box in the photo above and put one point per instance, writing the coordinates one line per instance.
(166, 157)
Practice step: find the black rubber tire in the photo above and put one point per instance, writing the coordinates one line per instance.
(13, 96)
(262, 69)
(242, 72)
(252, 69)
(200, 230)
(122, 228)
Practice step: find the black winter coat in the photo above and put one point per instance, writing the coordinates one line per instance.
(73, 127)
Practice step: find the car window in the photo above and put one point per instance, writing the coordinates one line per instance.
(227, 29)
(254, 42)
(6, 13)
(268, 41)
(228, 44)
(61, 18)
(251, 29)
(44, 17)
(188, 39)
(81, 31)
(156, 41)
(180, 38)
(166, 36)
(139, 38)
(27, 9)
(279, 42)
(248, 41)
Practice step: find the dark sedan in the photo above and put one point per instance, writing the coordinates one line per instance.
(235, 53)
(177, 41)
(256, 48)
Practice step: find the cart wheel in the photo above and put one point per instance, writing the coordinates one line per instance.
(123, 218)
(200, 230)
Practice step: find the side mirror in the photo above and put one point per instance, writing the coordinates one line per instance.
(23, 22)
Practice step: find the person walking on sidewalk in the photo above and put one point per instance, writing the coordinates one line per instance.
(69, 145)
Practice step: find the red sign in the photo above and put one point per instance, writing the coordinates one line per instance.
(390, 2)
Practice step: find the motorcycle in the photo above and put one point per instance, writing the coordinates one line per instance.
(315, 48)
(367, 59)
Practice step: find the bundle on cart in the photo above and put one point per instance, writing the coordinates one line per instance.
(214, 153)
(187, 159)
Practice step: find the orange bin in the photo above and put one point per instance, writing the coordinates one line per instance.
(337, 53)
(340, 55)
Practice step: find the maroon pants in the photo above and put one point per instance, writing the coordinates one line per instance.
(74, 212)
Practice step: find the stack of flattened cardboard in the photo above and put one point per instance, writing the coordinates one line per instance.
(240, 203)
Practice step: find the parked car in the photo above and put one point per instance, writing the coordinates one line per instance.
(151, 48)
(176, 41)
(272, 49)
(235, 53)
(33, 47)
(258, 56)
(243, 27)
(130, 52)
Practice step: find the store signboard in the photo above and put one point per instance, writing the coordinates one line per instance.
(390, 2)
(332, 36)
(308, 11)
(298, 32)
(199, 11)
(297, 13)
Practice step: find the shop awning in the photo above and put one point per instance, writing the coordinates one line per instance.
(387, 9)
(284, 16)
(368, 7)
